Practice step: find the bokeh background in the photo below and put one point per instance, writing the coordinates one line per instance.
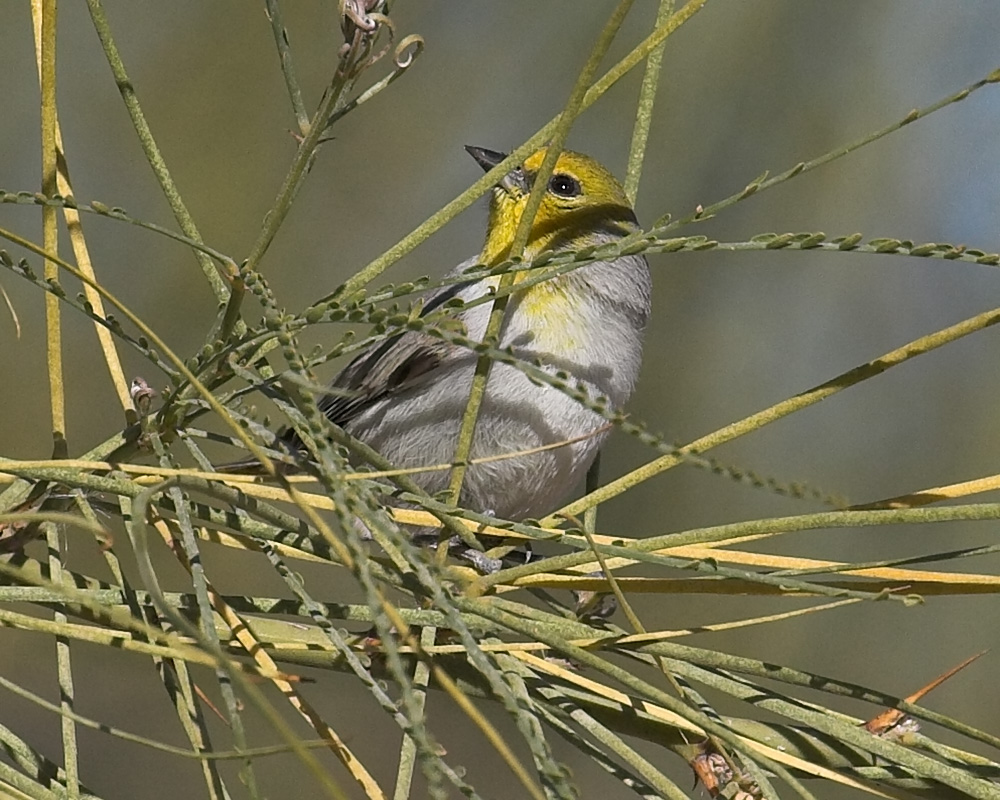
(746, 87)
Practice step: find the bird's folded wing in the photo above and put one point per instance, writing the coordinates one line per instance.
(395, 365)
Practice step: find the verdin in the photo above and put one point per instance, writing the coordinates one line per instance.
(405, 397)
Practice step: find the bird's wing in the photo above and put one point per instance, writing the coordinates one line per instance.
(394, 365)
(378, 371)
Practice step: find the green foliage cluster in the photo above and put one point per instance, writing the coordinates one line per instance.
(433, 634)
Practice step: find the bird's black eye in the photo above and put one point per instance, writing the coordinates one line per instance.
(564, 185)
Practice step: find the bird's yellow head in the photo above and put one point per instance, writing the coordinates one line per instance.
(582, 203)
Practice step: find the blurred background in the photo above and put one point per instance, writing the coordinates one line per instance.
(746, 87)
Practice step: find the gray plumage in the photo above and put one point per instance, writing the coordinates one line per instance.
(406, 398)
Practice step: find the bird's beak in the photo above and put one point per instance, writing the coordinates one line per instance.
(514, 182)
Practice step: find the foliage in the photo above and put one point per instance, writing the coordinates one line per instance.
(439, 632)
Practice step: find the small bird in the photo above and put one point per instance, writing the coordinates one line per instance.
(405, 397)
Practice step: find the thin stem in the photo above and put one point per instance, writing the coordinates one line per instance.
(838, 152)
(493, 327)
(79, 244)
(408, 750)
(67, 695)
(50, 234)
(280, 32)
(592, 483)
(758, 527)
(44, 19)
(644, 113)
(149, 147)
(333, 98)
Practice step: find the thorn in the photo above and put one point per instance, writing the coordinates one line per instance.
(891, 717)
